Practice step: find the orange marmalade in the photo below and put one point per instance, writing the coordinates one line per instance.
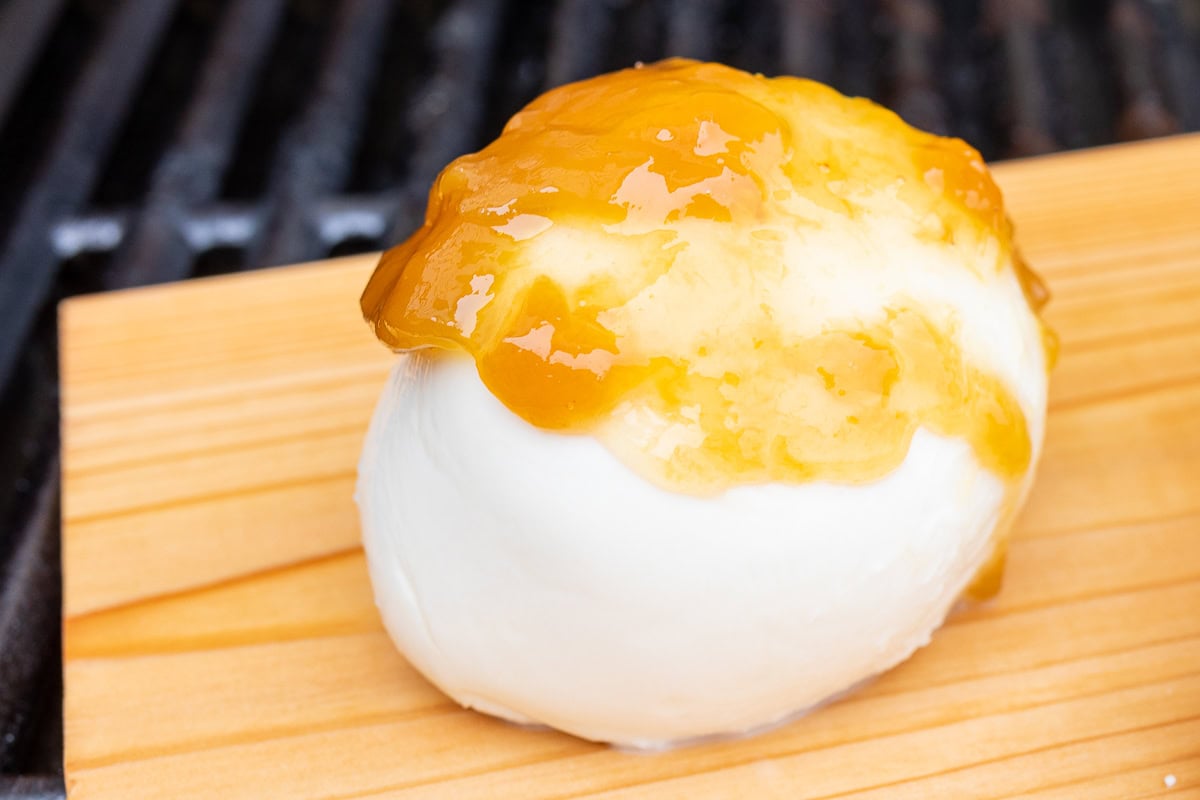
(671, 258)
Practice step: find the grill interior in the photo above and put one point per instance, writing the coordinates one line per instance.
(151, 140)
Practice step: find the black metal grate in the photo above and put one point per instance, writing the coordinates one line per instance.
(152, 140)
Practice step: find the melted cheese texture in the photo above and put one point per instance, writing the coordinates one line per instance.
(726, 279)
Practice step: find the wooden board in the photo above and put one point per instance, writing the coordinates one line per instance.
(220, 638)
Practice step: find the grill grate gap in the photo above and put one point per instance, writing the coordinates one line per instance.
(749, 36)
(37, 108)
(219, 261)
(638, 35)
(383, 155)
(29, 405)
(353, 245)
(446, 116)
(969, 96)
(806, 46)
(856, 46)
(520, 68)
(1132, 33)
(1082, 75)
(581, 36)
(286, 83)
(315, 158)
(159, 104)
(29, 581)
(691, 27)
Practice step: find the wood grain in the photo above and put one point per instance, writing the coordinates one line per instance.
(220, 638)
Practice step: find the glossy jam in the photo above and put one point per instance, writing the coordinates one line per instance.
(612, 263)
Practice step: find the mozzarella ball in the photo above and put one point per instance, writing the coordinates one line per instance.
(715, 394)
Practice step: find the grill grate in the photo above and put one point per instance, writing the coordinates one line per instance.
(153, 140)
